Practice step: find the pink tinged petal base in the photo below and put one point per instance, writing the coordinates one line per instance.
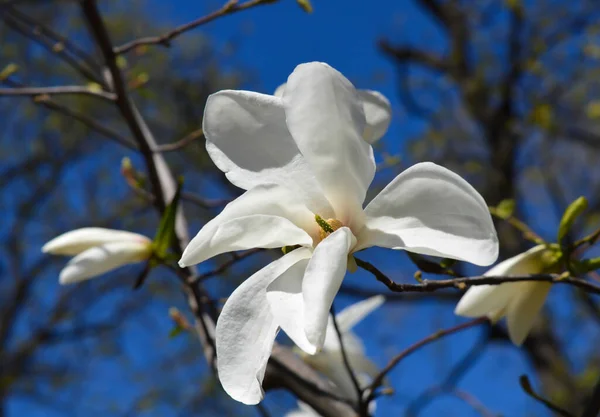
(322, 280)
(100, 259)
(79, 240)
(430, 210)
(246, 331)
(264, 217)
(324, 114)
(247, 138)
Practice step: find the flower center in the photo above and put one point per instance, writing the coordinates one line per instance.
(327, 227)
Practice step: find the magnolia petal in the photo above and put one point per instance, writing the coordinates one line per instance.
(247, 138)
(304, 410)
(430, 210)
(246, 330)
(76, 241)
(377, 109)
(528, 262)
(287, 304)
(100, 259)
(524, 309)
(264, 217)
(351, 315)
(486, 300)
(324, 274)
(378, 114)
(325, 117)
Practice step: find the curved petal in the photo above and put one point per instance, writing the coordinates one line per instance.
(324, 274)
(378, 114)
(430, 210)
(351, 315)
(247, 138)
(524, 309)
(100, 259)
(246, 330)
(287, 304)
(528, 262)
(76, 241)
(377, 109)
(326, 119)
(264, 217)
(486, 300)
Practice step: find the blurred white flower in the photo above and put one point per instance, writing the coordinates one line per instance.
(97, 251)
(307, 167)
(519, 302)
(330, 361)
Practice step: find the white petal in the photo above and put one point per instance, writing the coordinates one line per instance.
(430, 210)
(246, 330)
(377, 109)
(351, 315)
(100, 259)
(76, 241)
(486, 300)
(326, 119)
(482, 300)
(524, 309)
(378, 113)
(247, 138)
(287, 304)
(324, 274)
(304, 410)
(264, 217)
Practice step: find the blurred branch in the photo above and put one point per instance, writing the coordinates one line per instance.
(55, 91)
(378, 380)
(359, 396)
(181, 143)
(464, 282)
(593, 407)
(232, 6)
(424, 58)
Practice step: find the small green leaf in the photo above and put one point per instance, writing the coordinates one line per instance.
(587, 265)
(165, 236)
(506, 208)
(526, 386)
(570, 215)
(305, 5)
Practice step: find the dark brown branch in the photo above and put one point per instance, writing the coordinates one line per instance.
(100, 34)
(462, 283)
(359, 396)
(55, 91)
(378, 380)
(593, 407)
(232, 6)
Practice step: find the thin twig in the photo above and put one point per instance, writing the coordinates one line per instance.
(100, 128)
(222, 268)
(464, 282)
(232, 6)
(181, 143)
(55, 91)
(416, 346)
(359, 395)
(203, 202)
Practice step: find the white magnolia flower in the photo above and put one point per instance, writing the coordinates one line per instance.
(97, 251)
(520, 302)
(306, 165)
(330, 361)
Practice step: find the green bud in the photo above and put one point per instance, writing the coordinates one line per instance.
(570, 215)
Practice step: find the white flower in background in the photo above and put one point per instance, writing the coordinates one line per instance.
(97, 251)
(330, 362)
(307, 166)
(520, 302)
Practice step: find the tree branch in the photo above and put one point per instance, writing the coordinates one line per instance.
(58, 90)
(464, 282)
(232, 6)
